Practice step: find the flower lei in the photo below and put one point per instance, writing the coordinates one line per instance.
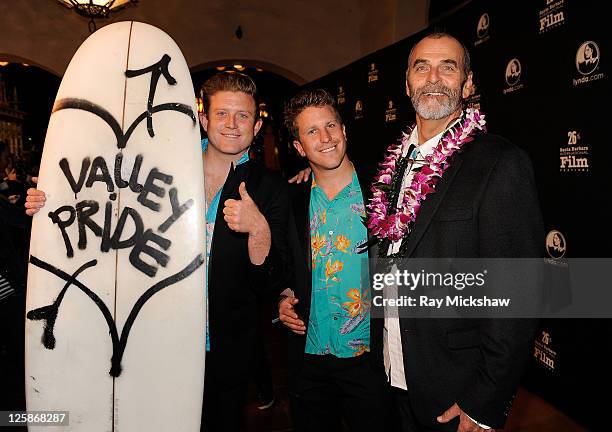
(383, 220)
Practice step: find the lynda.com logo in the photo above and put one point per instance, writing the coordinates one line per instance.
(587, 57)
(513, 72)
(555, 244)
(483, 25)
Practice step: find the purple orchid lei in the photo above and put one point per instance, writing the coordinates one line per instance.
(382, 221)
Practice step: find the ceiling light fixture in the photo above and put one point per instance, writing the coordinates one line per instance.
(94, 9)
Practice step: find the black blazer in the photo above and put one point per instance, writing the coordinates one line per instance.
(233, 282)
(485, 205)
(301, 284)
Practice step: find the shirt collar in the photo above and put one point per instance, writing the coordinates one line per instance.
(427, 147)
(244, 158)
(353, 185)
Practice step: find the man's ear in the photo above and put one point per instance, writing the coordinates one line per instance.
(257, 126)
(299, 148)
(407, 88)
(468, 86)
(203, 121)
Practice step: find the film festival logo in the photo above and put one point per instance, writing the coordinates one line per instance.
(341, 97)
(543, 352)
(556, 245)
(482, 29)
(372, 74)
(513, 76)
(390, 112)
(587, 63)
(358, 110)
(552, 16)
(575, 156)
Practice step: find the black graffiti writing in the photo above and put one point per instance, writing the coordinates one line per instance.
(82, 213)
(177, 210)
(141, 241)
(158, 69)
(49, 313)
(150, 187)
(99, 172)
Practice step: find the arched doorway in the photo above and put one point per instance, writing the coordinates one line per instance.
(27, 94)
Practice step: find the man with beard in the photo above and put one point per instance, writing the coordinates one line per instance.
(480, 202)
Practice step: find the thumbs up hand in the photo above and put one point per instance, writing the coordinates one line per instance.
(243, 215)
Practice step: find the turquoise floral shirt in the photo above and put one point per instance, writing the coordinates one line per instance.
(340, 306)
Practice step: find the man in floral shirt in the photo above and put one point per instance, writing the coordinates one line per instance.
(328, 308)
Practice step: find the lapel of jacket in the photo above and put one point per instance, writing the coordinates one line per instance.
(431, 204)
(301, 211)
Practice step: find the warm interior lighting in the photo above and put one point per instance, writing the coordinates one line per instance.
(220, 68)
(200, 104)
(95, 8)
(239, 67)
(263, 112)
(3, 63)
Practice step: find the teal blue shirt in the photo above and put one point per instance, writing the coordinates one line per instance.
(339, 321)
(211, 216)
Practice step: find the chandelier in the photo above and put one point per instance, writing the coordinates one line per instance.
(95, 8)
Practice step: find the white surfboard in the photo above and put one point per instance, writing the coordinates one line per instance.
(115, 327)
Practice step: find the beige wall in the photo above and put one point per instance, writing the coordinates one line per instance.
(300, 39)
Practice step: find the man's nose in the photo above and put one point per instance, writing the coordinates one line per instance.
(325, 136)
(230, 122)
(433, 76)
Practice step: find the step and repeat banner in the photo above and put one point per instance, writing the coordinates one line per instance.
(542, 70)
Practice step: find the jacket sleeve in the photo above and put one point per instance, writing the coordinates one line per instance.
(510, 226)
(274, 273)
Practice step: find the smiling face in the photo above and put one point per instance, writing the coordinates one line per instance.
(435, 80)
(321, 137)
(231, 122)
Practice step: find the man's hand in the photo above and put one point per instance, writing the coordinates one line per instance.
(300, 177)
(35, 199)
(465, 423)
(243, 215)
(288, 317)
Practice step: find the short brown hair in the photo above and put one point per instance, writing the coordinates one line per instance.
(305, 99)
(229, 81)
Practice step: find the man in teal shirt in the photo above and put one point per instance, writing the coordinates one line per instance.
(332, 377)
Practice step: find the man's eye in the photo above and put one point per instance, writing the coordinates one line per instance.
(311, 131)
(244, 116)
(448, 68)
(331, 125)
(421, 68)
(221, 113)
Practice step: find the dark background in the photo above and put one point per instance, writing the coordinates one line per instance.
(539, 117)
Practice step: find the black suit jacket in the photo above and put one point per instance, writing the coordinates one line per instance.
(485, 205)
(301, 284)
(233, 282)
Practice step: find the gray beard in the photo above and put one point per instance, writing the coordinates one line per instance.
(443, 109)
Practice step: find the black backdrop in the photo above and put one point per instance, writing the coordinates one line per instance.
(557, 114)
